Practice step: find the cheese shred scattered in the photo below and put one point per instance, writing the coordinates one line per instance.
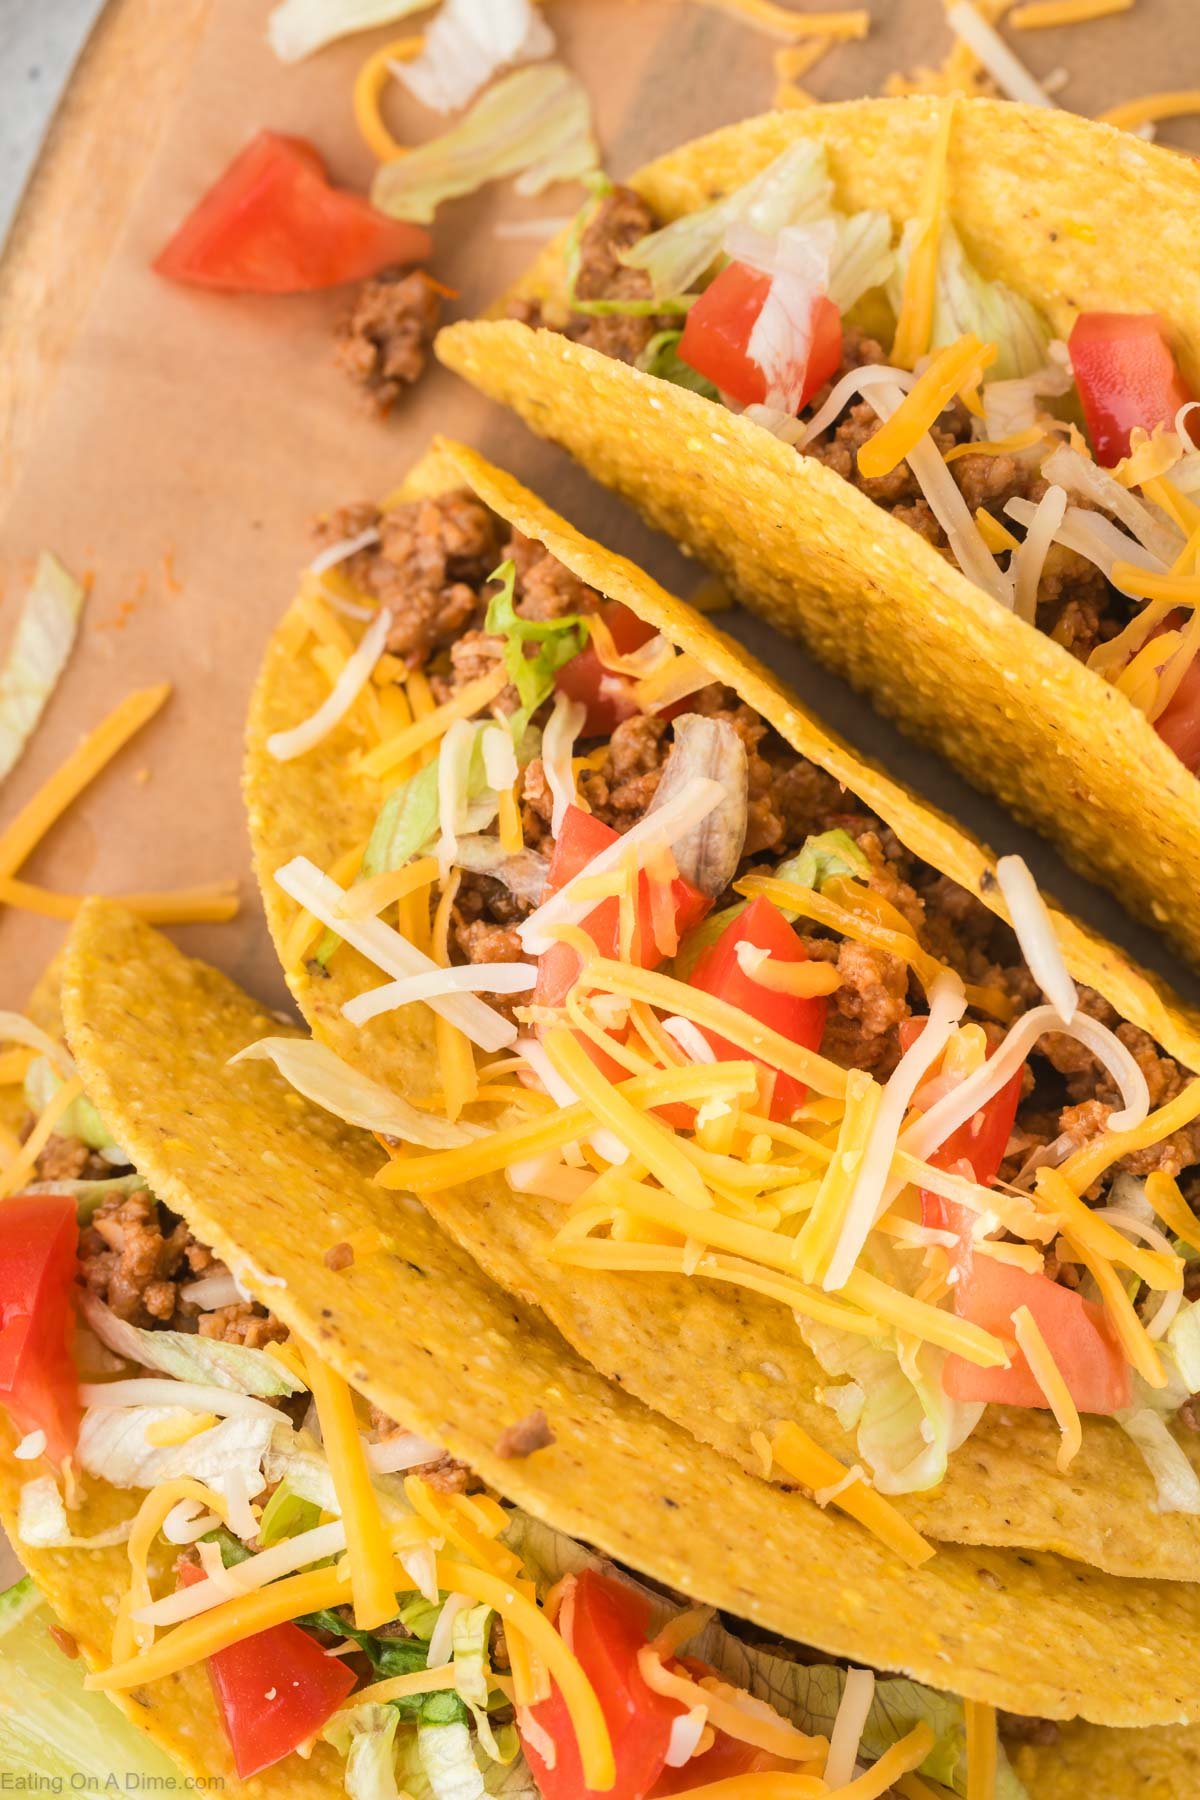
(367, 1540)
(1049, 1377)
(799, 1455)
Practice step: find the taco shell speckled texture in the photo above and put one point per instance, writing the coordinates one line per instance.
(695, 1350)
(269, 1183)
(1075, 215)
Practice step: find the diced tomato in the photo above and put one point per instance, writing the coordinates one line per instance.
(1178, 724)
(716, 337)
(1127, 375)
(274, 1690)
(609, 1624)
(39, 1237)
(608, 696)
(1078, 1335)
(718, 972)
(273, 224)
(583, 837)
(980, 1142)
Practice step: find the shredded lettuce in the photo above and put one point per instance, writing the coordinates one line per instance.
(286, 1515)
(88, 1195)
(407, 821)
(81, 1120)
(1176, 1481)
(792, 190)
(966, 301)
(188, 1356)
(42, 643)
(470, 41)
(448, 1762)
(907, 1427)
(536, 121)
(661, 357)
(329, 1082)
(1183, 1343)
(113, 1447)
(366, 1737)
(863, 258)
(823, 854)
(557, 640)
(296, 28)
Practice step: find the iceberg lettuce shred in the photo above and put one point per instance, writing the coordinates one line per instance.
(966, 301)
(535, 123)
(43, 641)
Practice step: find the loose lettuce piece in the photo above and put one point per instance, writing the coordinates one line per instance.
(907, 1427)
(661, 357)
(558, 640)
(792, 190)
(296, 28)
(88, 1195)
(966, 301)
(329, 1082)
(189, 1357)
(366, 1737)
(1183, 1343)
(42, 643)
(537, 121)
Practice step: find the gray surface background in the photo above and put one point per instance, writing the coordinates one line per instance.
(39, 42)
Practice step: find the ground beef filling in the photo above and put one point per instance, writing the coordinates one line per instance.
(430, 565)
(137, 1257)
(382, 343)
(1077, 607)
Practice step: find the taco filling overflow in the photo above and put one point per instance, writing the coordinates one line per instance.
(691, 994)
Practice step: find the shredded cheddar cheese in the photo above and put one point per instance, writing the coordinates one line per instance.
(1007, 446)
(210, 903)
(1041, 15)
(914, 322)
(428, 727)
(1049, 1377)
(18, 1171)
(368, 1544)
(955, 367)
(148, 1522)
(369, 84)
(1152, 108)
(80, 768)
(782, 21)
(1165, 1196)
(799, 1455)
(982, 1749)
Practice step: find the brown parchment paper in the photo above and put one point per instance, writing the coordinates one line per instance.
(192, 437)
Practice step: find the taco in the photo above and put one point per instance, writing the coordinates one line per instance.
(674, 1148)
(600, 1535)
(998, 549)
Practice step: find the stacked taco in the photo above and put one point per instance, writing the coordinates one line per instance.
(917, 379)
(325, 1510)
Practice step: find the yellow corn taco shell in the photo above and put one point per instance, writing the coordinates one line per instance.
(422, 1332)
(691, 1349)
(1072, 214)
